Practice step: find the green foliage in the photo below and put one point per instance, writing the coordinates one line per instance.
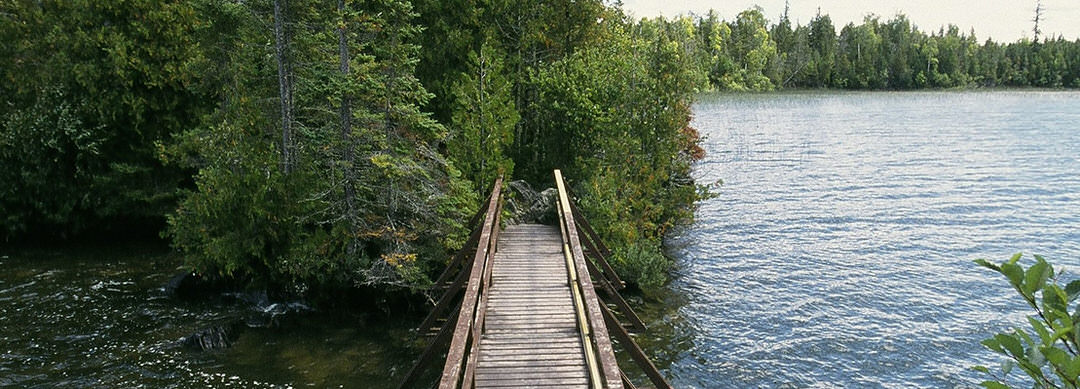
(615, 119)
(368, 202)
(292, 139)
(484, 117)
(1049, 352)
(642, 262)
(748, 55)
(88, 91)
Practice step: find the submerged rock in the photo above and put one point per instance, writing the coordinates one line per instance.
(214, 337)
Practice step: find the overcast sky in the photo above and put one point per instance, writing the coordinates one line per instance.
(1003, 20)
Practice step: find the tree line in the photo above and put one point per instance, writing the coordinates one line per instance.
(315, 145)
(749, 53)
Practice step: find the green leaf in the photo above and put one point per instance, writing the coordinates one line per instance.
(1072, 370)
(1076, 333)
(1011, 344)
(1015, 258)
(1024, 336)
(1037, 275)
(993, 385)
(1073, 289)
(1007, 366)
(988, 265)
(1060, 333)
(1015, 273)
(981, 369)
(1040, 329)
(1052, 299)
(993, 344)
(1055, 355)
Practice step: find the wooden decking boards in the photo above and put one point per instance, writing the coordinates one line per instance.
(531, 337)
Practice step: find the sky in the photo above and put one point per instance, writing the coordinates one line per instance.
(1002, 20)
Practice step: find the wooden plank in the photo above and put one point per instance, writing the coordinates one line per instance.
(495, 342)
(537, 383)
(530, 337)
(550, 364)
(556, 357)
(532, 369)
(521, 330)
(522, 350)
(517, 376)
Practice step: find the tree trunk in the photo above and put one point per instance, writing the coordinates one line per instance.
(348, 143)
(281, 45)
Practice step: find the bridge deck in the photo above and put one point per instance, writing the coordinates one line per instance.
(531, 337)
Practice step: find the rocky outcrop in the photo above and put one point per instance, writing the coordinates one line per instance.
(529, 206)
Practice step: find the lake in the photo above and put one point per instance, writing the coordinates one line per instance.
(838, 251)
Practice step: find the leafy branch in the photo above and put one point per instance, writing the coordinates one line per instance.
(1051, 360)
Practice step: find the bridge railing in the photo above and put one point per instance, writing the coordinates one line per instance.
(459, 371)
(463, 329)
(575, 227)
(599, 353)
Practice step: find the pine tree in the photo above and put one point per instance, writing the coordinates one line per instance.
(483, 121)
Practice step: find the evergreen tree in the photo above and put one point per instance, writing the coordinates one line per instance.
(483, 122)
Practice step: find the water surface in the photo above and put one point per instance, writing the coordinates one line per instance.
(838, 251)
(99, 317)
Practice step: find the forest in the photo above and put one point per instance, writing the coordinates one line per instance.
(750, 54)
(313, 146)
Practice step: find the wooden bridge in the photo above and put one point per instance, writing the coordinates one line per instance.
(524, 312)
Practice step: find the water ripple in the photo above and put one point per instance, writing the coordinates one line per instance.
(838, 252)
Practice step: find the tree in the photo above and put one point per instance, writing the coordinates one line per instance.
(823, 44)
(367, 200)
(484, 117)
(859, 56)
(752, 50)
(621, 113)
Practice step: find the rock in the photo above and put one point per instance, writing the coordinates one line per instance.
(529, 206)
(214, 337)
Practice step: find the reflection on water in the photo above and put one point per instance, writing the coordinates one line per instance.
(100, 318)
(838, 253)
